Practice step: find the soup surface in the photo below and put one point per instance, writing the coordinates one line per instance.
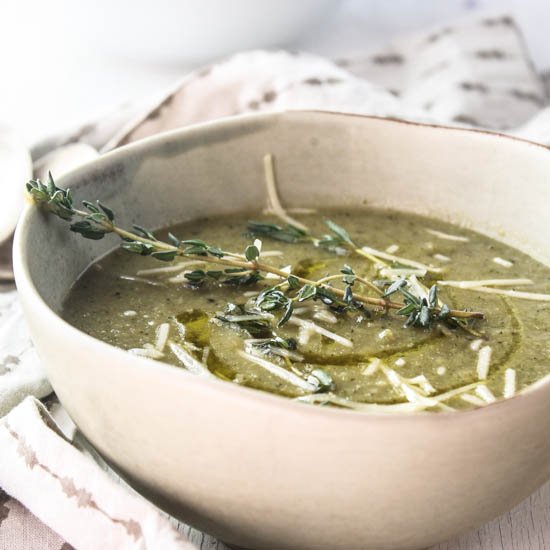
(359, 358)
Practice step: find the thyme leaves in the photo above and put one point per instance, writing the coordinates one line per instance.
(97, 220)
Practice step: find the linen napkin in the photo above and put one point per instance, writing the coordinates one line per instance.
(475, 73)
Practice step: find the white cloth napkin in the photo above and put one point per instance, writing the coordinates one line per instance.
(40, 468)
(21, 373)
(475, 74)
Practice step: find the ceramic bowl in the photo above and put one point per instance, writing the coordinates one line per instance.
(254, 469)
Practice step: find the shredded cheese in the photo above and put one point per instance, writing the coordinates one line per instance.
(189, 361)
(311, 326)
(146, 352)
(140, 280)
(399, 259)
(484, 362)
(372, 367)
(287, 269)
(269, 253)
(442, 258)
(279, 371)
(447, 236)
(397, 272)
(503, 262)
(476, 344)
(392, 249)
(405, 387)
(534, 296)
(485, 393)
(324, 398)
(274, 204)
(325, 315)
(247, 317)
(130, 313)
(304, 335)
(424, 383)
(386, 334)
(509, 383)
(400, 362)
(163, 331)
(168, 269)
(472, 399)
(301, 210)
(486, 282)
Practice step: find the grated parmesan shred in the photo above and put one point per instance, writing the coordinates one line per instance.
(163, 331)
(311, 326)
(324, 398)
(476, 344)
(287, 269)
(501, 261)
(372, 367)
(279, 371)
(442, 258)
(146, 352)
(274, 204)
(270, 253)
(399, 259)
(472, 400)
(325, 315)
(168, 269)
(192, 364)
(385, 334)
(536, 297)
(485, 393)
(486, 282)
(509, 383)
(484, 362)
(447, 236)
(140, 280)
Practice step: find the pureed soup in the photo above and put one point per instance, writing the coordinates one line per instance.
(398, 312)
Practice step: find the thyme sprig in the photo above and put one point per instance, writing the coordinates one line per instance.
(98, 220)
(288, 233)
(338, 239)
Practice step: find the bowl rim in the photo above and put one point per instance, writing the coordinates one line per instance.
(26, 287)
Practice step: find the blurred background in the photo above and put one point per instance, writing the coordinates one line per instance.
(65, 62)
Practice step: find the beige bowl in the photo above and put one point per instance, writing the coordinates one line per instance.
(260, 471)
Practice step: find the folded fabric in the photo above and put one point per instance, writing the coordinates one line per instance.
(474, 73)
(68, 492)
(21, 373)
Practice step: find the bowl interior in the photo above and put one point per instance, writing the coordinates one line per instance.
(472, 178)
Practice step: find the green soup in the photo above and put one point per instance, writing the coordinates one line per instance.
(331, 355)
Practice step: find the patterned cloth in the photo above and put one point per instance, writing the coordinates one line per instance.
(472, 74)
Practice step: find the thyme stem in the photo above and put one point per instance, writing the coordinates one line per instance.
(99, 220)
(266, 268)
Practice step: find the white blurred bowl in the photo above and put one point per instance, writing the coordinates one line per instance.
(191, 31)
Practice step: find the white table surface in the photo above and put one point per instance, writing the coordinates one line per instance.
(48, 86)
